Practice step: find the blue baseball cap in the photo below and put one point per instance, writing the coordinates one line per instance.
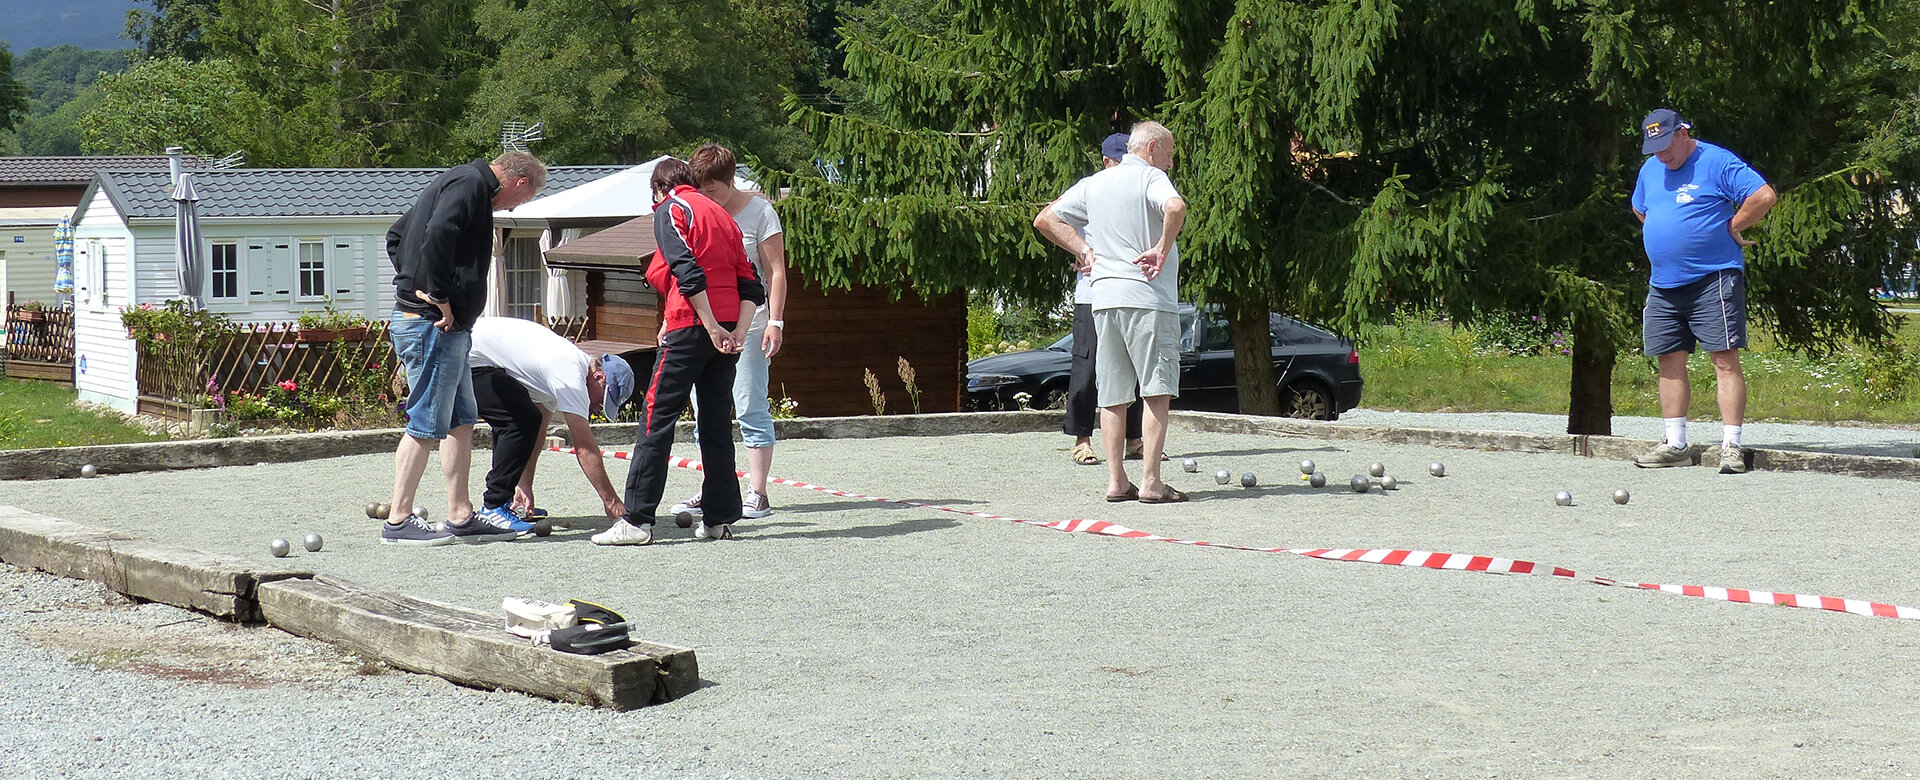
(619, 384)
(1656, 131)
(1115, 147)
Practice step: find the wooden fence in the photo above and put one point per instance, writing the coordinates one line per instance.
(176, 378)
(39, 344)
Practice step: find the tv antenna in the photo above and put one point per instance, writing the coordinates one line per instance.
(518, 136)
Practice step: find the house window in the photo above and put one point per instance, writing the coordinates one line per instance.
(525, 278)
(313, 269)
(224, 264)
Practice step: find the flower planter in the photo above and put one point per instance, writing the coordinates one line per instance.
(323, 335)
(29, 315)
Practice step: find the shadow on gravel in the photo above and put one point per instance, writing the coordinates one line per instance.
(843, 506)
(1176, 456)
(901, 528)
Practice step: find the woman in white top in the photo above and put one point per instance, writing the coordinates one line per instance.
(714, 166)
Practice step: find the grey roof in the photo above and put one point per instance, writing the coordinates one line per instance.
(75, 171)
(298, 192)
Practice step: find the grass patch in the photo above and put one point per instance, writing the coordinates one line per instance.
(1421, 365)
(42, 414)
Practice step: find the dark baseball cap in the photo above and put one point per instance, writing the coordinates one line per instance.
(1115, 147)
(1656, 131)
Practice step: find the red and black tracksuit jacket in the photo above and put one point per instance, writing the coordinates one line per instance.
(700, 250)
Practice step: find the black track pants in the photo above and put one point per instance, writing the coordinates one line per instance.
(686, 365)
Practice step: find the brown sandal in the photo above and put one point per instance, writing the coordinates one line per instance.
(1172, 496)
(1132, 494)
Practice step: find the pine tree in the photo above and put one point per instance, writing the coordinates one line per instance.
(1344, 159)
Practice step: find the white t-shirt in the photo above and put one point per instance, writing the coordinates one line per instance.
(758, 222)
(553, 370)
(1122, 211)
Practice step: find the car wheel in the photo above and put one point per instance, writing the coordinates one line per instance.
(1307, 400)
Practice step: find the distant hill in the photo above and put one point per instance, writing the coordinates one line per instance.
(88, 24)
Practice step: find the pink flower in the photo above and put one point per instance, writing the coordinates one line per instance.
(289, 386)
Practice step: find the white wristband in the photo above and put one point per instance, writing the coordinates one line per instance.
(781, 324)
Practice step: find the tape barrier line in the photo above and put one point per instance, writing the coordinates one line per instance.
(1387, 557)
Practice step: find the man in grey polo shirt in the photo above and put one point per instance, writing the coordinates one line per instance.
(1132, 215)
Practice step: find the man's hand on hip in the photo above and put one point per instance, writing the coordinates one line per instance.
(1151, 261)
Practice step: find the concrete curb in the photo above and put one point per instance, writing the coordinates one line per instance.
(462, 645)
(65, 462)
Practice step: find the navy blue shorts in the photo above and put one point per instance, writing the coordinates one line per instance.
(1711, 310)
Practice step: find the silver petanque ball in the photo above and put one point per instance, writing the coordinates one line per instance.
(1563, 498)
(1378, 469)
(1222, 477)
(420, 512)
(89, 471)
(279, 548)
(312, 542)
(1389, 483)
(1620, 496)
(1248, 480)
(1360, 483)
(1189, 465)
(1317, 480)
(1437, 469)
(1306, 467)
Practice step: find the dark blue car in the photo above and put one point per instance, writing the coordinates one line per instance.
(1319, 372)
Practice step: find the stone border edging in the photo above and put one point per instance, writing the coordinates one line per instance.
(463, 645)
(64, 462)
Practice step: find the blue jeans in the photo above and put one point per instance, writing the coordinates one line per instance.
(439, 386)
(750, 388)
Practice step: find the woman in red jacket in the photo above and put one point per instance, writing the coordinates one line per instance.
(708, 295)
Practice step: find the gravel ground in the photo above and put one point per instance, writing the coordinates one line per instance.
(1844, 438)
(850, 639)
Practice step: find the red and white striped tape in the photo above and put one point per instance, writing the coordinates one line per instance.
(1415, 558)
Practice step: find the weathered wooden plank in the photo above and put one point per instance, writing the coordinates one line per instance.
(54, 372)
(218, 585)
(468, 646)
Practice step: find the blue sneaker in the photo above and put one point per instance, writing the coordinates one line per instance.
(414, 532)
(493, 524)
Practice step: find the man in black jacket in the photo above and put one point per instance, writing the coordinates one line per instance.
(441, 250)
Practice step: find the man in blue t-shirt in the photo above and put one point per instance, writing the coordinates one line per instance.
(1695, 200)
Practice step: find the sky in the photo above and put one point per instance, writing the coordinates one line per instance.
(89, 24)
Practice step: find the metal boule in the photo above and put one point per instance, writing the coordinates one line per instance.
(1378, 469)
(1189, 465)
(1306, 467)
(683, 519)
(1248, 480)
(279, 548)
(1360, 483)
(1222, 477)
(89, 471)
(1317, 479)
(312, 542)
(385, 512)
(1389, 483)
(1437, 469)
(1563, 498)
(373, 510)
(1620, 496)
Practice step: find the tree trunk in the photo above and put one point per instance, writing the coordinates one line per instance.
(1590, 403)
(1253, 360)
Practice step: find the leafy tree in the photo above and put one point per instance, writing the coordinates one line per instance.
(173, 29)
(57, 81)
(205, 107)
(622, 81)
(381, 81)
(1343, 159)
(13, 95)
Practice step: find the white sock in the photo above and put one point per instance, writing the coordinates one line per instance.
(1677, 431)
(1730, 434)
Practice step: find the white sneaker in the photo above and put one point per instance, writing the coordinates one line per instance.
(690, 506)
(755, 505)
(1664, 455)
(625, 533)
(704, 531)
(1733, 459)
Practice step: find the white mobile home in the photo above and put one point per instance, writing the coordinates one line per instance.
(278, 243)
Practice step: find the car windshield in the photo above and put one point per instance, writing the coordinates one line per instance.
(1065, 344)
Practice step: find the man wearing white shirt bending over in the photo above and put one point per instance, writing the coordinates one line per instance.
(523, 373)
(1132, 215)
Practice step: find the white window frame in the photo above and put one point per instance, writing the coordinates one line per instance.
(239, 271)
(90, 263)
(300, 270)
(523, 309)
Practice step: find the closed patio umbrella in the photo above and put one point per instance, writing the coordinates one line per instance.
(190, 262)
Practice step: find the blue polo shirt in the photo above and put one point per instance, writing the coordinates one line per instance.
(1688, 210)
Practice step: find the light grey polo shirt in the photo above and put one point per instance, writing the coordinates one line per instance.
(1121, 210)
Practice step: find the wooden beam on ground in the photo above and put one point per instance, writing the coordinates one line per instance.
(218, 585)
(469, 647)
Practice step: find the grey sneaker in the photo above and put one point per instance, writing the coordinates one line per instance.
(755, 505)
(414, 532)
(491, 525)
(704, 531)
(690, 506)
(1662, 456)
(624, 532)
(1733, 459)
